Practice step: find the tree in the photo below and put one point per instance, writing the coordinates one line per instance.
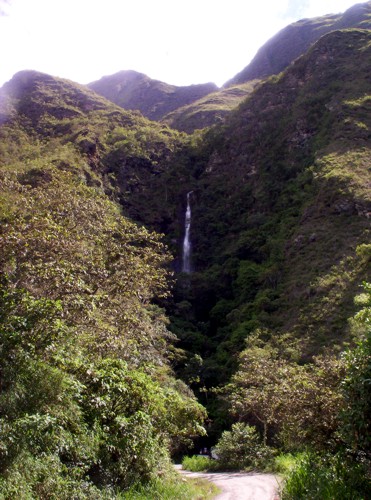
(86, 389)
(292, 404)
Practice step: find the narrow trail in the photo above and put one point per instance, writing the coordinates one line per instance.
(240, 485)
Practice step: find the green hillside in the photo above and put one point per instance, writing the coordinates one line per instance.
(210, 110)
(154, 99)
(280, 204)
(294, 40)
(280, 230)
(103, 338)
(89, 404)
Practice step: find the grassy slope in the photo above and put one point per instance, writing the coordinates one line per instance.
(76, 129)
(210, 110)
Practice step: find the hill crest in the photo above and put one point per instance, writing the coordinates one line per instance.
(153, 98)
(296, 38)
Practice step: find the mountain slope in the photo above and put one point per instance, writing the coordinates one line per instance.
(154, 99)
(280, 238)
(88, 397)
(201, 106)
(121, 150)
(294, 40)
(210, 110)
(281, 201)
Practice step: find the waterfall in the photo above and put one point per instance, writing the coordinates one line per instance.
(186, 264)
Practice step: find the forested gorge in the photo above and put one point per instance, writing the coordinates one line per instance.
(113, 361)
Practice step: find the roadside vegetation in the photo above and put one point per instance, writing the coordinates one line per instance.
(313, 465)
(171, 488)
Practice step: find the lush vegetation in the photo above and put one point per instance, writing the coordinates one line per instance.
(266, 312)
(212, 109)
(99, 360)
(89, 403)
(336, 460)
(326, 477)
(276, 272)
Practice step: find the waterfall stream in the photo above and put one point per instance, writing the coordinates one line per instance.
(186, 262)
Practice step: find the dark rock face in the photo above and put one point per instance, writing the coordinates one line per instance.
(154, 99)
(294, 40)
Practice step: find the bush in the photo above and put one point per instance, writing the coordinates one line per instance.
(241, 448)
(327, 478)
(31, 477)
(284, 463)
(356, 386)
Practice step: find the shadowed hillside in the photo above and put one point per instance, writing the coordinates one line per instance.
(294, 40)
(154, 99)
(281, 201)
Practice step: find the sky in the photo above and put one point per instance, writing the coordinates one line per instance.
(180, 42)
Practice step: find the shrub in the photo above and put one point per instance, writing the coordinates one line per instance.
(356, 386)
(45, 476)
(284, 463)
(326, 478)
(241, 448)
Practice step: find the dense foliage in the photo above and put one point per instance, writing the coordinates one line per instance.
(88, 403)
(292, 168)
(327, 477)
(292, 404)
(241, 448)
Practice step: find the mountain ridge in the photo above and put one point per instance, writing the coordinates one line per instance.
(153, 98)
(296, 38)
(186, 109)
(199, 106)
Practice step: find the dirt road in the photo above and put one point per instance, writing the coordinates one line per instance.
(241, 486)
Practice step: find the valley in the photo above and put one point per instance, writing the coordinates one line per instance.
(189, 267)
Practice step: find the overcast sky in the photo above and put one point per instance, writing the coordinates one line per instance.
(176, 41)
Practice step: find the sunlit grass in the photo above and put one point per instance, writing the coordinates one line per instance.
(175, 488)
(327, 478)
(196, 463)
(286, 462)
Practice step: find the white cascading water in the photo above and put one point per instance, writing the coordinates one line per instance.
(186, 264)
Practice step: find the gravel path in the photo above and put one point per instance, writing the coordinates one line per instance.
(239, 485)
